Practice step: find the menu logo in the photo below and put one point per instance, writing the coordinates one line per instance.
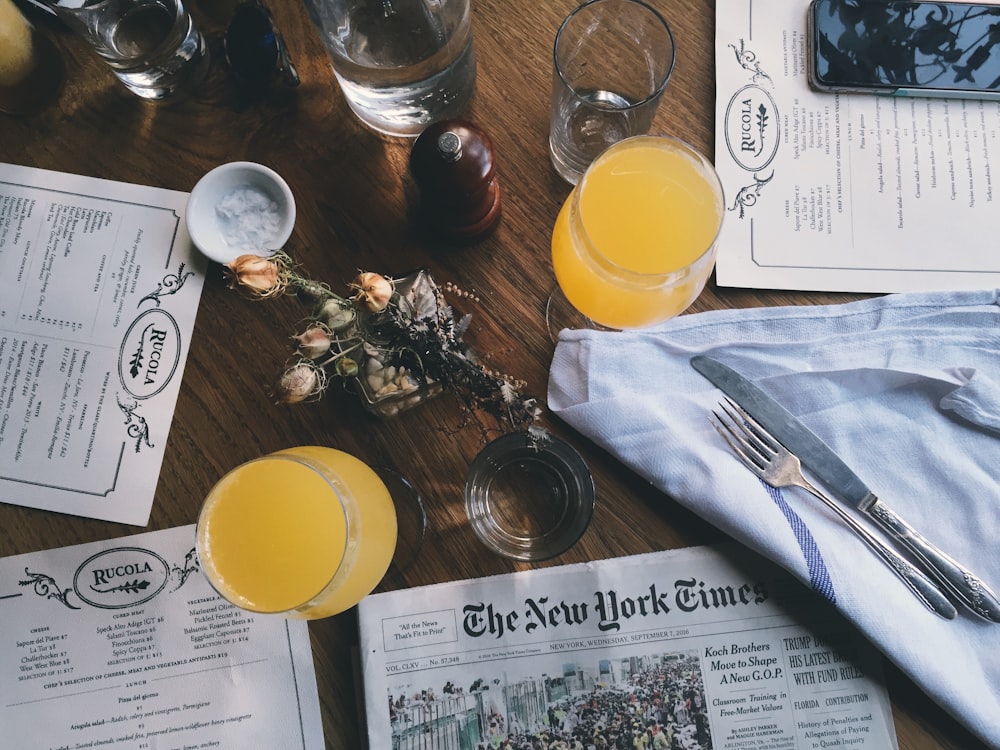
(121, 577)
(752, 128)
(150, 354)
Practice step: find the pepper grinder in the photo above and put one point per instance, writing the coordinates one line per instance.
(452, 162)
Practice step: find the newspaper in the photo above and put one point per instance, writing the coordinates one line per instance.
(705, 647)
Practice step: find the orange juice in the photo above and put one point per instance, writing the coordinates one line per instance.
(307, 531)
(635, 241)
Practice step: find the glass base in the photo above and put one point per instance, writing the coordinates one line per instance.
(560, 314)
(411, 518)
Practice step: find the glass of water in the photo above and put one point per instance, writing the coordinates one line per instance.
(402, 64)
(613, 59)
(152, 46)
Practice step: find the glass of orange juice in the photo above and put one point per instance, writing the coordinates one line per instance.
(31, 68)
(635, 242)
(305, 532)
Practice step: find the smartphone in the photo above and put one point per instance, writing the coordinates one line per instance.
(949, 50)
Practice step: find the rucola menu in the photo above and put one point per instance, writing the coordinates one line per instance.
(844, 192)
(99, 288)
(124, 644)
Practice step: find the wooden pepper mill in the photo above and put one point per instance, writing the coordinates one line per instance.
(452, 162)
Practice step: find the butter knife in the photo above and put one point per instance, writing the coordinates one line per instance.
(954, 577)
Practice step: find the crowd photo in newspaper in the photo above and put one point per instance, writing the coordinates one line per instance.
(633, 702)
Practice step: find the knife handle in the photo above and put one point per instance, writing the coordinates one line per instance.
(922, 587)
(958, 580)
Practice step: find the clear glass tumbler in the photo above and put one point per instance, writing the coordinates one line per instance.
(402, 64)
(152, 46)
(529, 495)
(613, 59)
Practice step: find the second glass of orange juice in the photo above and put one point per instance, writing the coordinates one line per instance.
(635, 241)
(305, 532)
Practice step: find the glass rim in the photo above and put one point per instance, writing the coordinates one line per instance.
(661, 87)
(712, 178)
(270, 457)
(560, 457)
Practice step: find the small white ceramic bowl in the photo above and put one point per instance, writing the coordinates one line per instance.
(238, 208)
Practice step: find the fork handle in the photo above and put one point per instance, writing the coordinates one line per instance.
(921, 586)
(958, 580)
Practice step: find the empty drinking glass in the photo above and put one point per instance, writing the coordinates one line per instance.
(613, 59)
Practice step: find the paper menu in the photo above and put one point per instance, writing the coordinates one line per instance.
(124, 644)
(853, 193)
(99, 289)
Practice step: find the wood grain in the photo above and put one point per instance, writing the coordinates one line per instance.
(355, 200)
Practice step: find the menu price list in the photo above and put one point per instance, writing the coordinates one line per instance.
(124, 644)
(99, 289)
(844, 192)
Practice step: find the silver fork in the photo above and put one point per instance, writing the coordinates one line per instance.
(779, 467)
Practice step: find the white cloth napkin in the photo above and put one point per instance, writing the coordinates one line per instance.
(905, 388)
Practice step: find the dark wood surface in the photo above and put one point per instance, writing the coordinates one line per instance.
(355, 199)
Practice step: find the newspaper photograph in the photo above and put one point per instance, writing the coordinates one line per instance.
(692, 649)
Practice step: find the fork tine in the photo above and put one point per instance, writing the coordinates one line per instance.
(763, 440)
(746, 435)
(743, 449)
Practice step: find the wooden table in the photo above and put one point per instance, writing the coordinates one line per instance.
(354, 199)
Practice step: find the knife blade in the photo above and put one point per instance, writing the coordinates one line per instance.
(957, 580)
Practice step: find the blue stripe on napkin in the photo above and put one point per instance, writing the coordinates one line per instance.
(819, 576)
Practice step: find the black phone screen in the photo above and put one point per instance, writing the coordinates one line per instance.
(860, 43)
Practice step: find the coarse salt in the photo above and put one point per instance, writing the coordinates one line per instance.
(249, 220)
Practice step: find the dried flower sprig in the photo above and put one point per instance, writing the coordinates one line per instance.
(303, 381)
(264, 277)
(399, 342)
